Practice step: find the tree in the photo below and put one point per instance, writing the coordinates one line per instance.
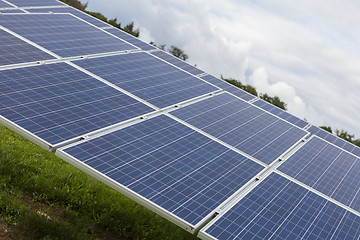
(344, 135)
(161, 47)
(177, 52)
(274, 100)
(130, 29)
(248, 88)
(328, 129)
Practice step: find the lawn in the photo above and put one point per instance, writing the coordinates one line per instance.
(43, 197)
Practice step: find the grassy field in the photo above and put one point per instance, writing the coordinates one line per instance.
(43, 197)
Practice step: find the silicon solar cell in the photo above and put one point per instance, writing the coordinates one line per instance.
(327, 169)
(335, 140)
(131, 39)
(5, 5)
(148, 78)
(73, 11)
(57, 102)
(177, 62)
(35, 3)
(280, 209)
(169, 164)
(228, 87)
(63, 34)
(242, 125)
(14, 50)
(280, 113)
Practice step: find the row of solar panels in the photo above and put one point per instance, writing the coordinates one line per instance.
(188, 164)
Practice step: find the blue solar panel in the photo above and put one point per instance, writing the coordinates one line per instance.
(73, 11)
(177, 62)
(57, 102)
(148, 78)
(242, 125)
(228, 87)
(131, 39)
(281, 209)
(14, 50)
(35, 3)
(280, 113)
(5, 5)
(327, 169)
(63, 34)
(169, 164)
(335, 140)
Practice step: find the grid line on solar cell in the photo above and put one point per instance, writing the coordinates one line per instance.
(228, 87)
(73, 11)
(147, 77)
(241, 125)
(37, 3)
(14, 50)
(327, 169)
(131, 39)
(280, 113)
(5, 5)
(186, 173)
(63, 34)
(280, 209)
(335, 140)
(57, 102)
(177, 62)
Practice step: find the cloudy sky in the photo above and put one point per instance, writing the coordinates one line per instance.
(306, 52)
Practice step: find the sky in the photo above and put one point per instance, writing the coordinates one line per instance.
(306, 52)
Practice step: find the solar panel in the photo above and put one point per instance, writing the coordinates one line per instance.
(14, 50)
(242, 125)
(165, 163)
(148, 78)
(73, 11)
(131, 39)
(335, 140)
(57, 102)
(177, 62)
(280, 113)
(5, 5)
(327, 169)
(63, 34)
(228, 87)
(281, 209)
(35, 3)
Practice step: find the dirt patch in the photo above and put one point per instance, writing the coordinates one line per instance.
(6, 231)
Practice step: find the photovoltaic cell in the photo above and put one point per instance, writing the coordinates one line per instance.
(14, 50)
(63, 34)
(57, 102)
(73, 11)
(281, 209)
(37, 3)
(280, 113)
(242, 125)
(177, 62)
(335, 140)
(131, 39)
(5, 5)
(228, 87)
(148, 78)
(327, 169)
(170, 165)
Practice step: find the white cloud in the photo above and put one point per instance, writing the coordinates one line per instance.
(306, 52)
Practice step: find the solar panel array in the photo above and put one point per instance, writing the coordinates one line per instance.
(195, 149)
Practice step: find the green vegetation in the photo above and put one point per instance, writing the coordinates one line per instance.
(43, 197)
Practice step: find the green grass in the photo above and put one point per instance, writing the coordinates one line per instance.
(43, 197)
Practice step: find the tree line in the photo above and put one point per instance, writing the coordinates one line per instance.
(177, 52)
